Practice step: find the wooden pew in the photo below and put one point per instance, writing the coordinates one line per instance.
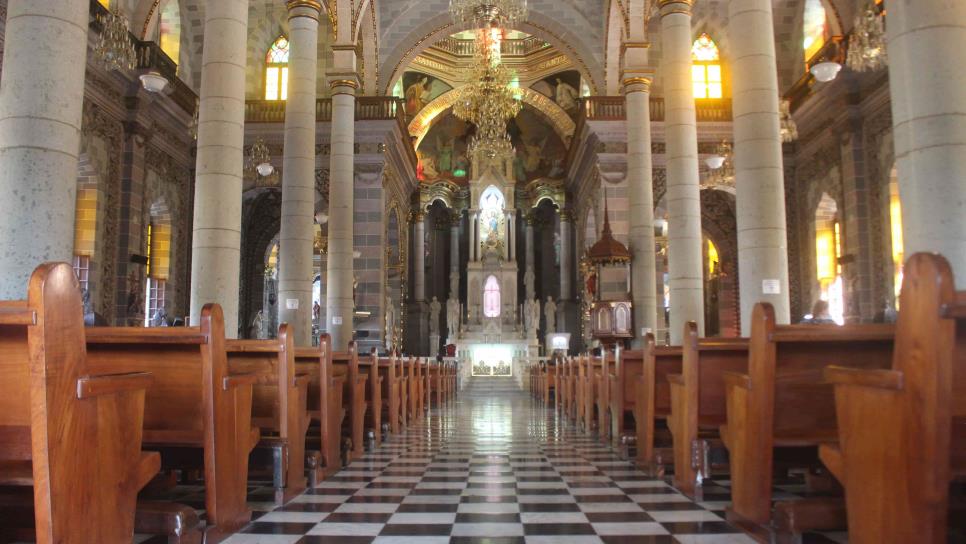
(626, 372)
(197, 412)
(70, 432)
(654, 391)
(784, 406)
(404, 392)
(346, 364)
(698, 407)
(580, 392)
(602, 383)
(389, 372)
(370, 366)
(902, 430)
(324, 406)
(278, 405)
(592, 366)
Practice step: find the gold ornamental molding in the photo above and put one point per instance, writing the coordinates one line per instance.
(670, 7)
(560, 120)
(640, 84)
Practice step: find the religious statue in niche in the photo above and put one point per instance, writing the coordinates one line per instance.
(550, 315)
(566, 96)
(453, 317)
(434, 310)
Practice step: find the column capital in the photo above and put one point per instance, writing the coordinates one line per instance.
(638, 81)
(670, 7)
(455, 220)
(566, 216)
(417, 216)
(343, 82)
(304, 8)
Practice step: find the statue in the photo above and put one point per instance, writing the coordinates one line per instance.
(529, 279)
(160, 318)
(535, 314)
(453, 317)
(528, 315)
(89, 316)
(566, 96)
(390, 321)
(260, 326)
(434, 309)
(550, 314)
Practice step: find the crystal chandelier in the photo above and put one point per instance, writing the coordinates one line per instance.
(260, 160)
(867, 46)
(789, 129)
(722, 168)
(114, 46)
(488, 13)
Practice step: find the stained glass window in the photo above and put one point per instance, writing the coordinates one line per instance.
(170, 30)
(706, 69)
(491, 297)
(815, 28)
(276, 70)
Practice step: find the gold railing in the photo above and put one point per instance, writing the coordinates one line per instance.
(508, 48)
(613, 108)
(368, 108)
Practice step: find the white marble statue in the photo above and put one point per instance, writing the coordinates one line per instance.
(535, 314)
(260, 326)
(529, 278)
(528, 315)
(434, 310)
(550, 315)
(453, 317)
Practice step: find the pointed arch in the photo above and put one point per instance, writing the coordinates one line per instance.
(707, 73)
(276, 69)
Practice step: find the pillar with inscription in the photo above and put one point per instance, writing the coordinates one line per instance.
(637, 90)
(762, 238)
(339, 305)
(928, 87)
(296, 241)
(685, 264)
(41, 100)
(218, 188)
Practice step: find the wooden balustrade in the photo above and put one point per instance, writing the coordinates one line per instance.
(612, 108)
(368, 108)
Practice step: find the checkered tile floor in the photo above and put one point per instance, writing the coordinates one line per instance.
(493, 468)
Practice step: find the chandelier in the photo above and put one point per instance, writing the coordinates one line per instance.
(867, 46)
(789, 130)
(114, 46)
(722, 168)
(260, 160)
(488, 13)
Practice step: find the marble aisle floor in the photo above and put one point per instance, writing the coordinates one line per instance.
(495, 468)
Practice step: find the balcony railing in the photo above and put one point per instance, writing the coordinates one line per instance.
(368, 108)
(508, 48)
(612, 108)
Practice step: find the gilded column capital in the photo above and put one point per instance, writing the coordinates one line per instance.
(670, 7)
(417, 216)
(638, 83)
(343, 82)
(455, 220)
(304, 8)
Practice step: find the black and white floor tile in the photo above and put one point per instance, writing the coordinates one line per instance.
(493, 468)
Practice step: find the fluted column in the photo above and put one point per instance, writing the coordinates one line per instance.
(296, 241)
(419, 256)
(339, 264)
(41, 100)
(218, 186)
(566, 257)
(928, 86)
(683, 184)
(762, 238)
(637, 91)
(454, 255)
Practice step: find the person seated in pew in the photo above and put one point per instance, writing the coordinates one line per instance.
(820, 314)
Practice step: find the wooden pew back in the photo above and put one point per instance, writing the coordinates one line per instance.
(324, 401)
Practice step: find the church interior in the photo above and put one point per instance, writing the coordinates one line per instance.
(482, 271)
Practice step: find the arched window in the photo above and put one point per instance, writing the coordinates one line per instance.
(706, 69)
(276, 70)
(828, 252)
(170, 30)
(815, 29)
(159, 264)
(491, 297)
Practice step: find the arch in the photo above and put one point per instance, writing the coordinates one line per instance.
(276, 69)
(707, 74)
(561, 122)
(492, 303)
(441, 25)
(828, 251)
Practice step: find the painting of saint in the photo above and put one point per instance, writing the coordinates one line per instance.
(442, 152)
(420, 89)
(563, 88)
(417, 96)
(540, 152)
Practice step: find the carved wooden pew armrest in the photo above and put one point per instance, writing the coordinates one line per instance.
(736, 379)
(881, 378)
(109, 384)
(240, 380)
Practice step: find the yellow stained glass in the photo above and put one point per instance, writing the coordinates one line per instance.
(276, 70)
(705, 50)
(105, 3)
(170, 31)
(815, 28)
(825, 255)
(700, 82)
(706, 71)
(714, 261)
(898, 249)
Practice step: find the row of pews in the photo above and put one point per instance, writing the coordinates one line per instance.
(873, 416)
(97, 424)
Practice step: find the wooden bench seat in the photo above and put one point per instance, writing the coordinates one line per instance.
(278, 406)
(389, 372)
(53, 406)
(902, 429)
(323, 405)
(346, 365)
(782, 404)
(198, 412)
(654, 405)
(369, 366)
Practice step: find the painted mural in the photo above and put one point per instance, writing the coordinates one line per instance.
(540, 151)
(421, 89)
(563, 88)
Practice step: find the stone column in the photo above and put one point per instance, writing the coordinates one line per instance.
(566, 260)
(512, 218)
(339, 265)
(454, 255)
(762, 238)
(928, 88)
(530, 264)
(419, 256)
(685, 264)
(474, 245)
(637, 91)
(221, 139)
(41, 101)
(296, 241)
